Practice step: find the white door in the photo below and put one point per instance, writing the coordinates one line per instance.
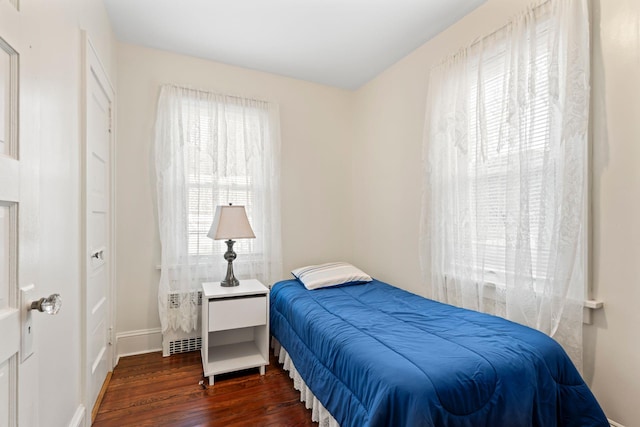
(97, 225)
(9, 203)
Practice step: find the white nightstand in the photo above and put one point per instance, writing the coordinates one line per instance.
(235, 327)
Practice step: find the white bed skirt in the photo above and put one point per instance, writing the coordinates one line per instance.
(318, 412)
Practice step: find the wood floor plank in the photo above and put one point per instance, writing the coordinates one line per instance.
(151, 390)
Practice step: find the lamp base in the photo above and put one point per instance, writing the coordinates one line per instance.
(230, 283)
(230, 255)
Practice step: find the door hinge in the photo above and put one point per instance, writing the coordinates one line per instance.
(111, 335)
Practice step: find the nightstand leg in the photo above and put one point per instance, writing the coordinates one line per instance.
(211, 380)
(262, 370)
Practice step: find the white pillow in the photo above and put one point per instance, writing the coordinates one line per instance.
(330, 274)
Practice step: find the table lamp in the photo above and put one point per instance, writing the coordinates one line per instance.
(230, 222)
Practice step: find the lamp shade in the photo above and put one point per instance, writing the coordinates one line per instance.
(230, 222)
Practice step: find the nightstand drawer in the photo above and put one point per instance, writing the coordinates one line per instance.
(232, 313)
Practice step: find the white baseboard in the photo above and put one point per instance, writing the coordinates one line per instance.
(78, 417)
(138, 342)
(614, 424)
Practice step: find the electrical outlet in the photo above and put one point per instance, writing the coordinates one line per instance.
(26, 341)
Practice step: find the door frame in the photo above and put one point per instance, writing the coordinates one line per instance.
(91, 61)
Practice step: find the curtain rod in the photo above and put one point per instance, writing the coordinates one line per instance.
(533, 7)
(210, 92)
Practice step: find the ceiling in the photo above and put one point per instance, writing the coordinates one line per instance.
(342, 43)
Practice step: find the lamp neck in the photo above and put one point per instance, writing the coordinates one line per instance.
(230, 255)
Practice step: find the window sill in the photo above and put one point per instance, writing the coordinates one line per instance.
(593, 304)
(590, 306)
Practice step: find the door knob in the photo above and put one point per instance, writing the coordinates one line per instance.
(49, 305)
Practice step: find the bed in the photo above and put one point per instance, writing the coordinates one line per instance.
(375, 355)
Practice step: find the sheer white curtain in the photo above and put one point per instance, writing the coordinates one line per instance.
(506, 159)
(211, 150)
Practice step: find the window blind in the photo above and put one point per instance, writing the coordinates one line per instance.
(214, 178)
(492, 186)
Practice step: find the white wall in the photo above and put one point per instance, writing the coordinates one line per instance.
(613, 342)
(390, 115)
(50, 87)
(316, 160)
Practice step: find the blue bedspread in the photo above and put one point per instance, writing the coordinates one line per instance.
(375, 355)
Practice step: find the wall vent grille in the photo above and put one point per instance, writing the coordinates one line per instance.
(174, 342)
(185, 345)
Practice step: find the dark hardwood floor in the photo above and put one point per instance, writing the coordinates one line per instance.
(151, 390)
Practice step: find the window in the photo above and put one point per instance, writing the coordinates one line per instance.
(210, 183)
(496, 182)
